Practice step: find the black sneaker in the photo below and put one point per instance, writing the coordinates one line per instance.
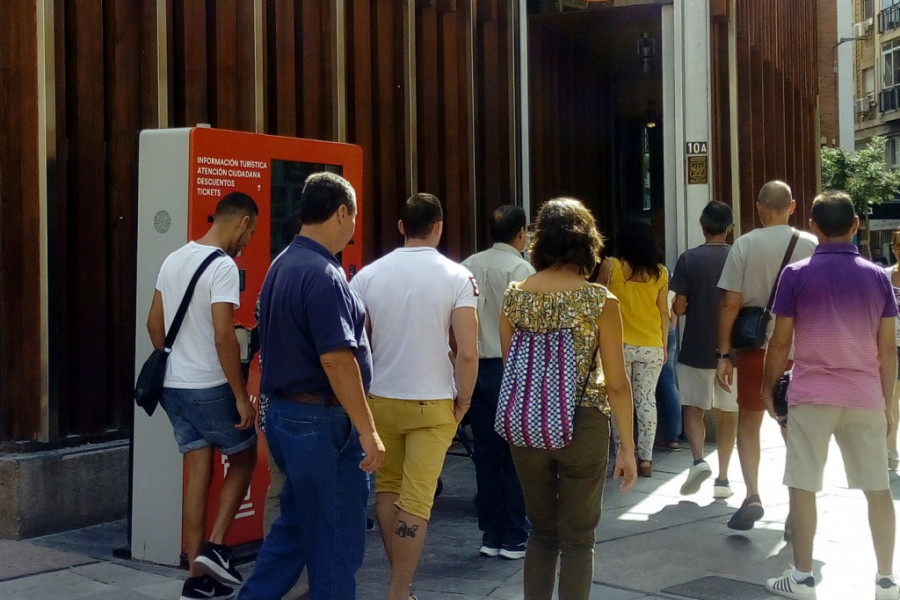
(512, 552)
(205, 588)
(215, 560)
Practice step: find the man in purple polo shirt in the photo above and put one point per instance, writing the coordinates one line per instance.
(839, 310)
(316, 369)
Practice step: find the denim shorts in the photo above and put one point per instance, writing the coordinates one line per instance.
(206, 417)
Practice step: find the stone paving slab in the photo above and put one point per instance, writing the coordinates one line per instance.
(652, 543)
(23, 558)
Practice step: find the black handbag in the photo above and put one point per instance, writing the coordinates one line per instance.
(752, 323)
(780, 397)
(149, 385)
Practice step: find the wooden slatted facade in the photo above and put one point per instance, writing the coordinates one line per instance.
(777, 103)
(428, 88)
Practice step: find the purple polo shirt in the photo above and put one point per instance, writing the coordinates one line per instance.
(837, 300)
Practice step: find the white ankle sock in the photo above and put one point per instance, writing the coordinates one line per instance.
(799, 575)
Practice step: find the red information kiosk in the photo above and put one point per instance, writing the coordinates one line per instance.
(182, 174)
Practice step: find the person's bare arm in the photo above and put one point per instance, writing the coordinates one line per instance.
(156, 322)
(679, 307)
(729, 307)
(887, 364)
(777, 353)
(605, 272)
(229, 352)
(506, 333)
(464, 322)
(618, 388)
(345, 379)
(662, 304)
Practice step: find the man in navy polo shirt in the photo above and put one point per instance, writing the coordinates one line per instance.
(316, 369)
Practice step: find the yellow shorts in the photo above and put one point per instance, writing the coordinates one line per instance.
(416, 435)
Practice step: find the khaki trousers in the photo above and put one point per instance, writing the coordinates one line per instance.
(563, 496)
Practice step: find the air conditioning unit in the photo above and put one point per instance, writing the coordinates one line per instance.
(861, 29)
(863, 105)
(871, 98)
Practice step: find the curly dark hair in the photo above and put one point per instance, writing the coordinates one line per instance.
(637, 245)
(565, 234)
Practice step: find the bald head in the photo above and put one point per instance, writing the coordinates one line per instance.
(776, 196)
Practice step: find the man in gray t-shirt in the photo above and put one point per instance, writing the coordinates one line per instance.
(749, 275)
(697, 298)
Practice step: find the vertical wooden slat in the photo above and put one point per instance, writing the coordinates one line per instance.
(20, 375)
(428, 77)
(89, 223)
(124, 118)
(245, 51)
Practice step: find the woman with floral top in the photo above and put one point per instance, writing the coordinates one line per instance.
(563, 487)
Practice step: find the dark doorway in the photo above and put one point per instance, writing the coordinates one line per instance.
(595, 122)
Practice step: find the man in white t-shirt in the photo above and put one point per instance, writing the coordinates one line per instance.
(748, 278)
(204, 393)
(420, 389)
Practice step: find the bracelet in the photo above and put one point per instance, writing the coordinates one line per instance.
(721, 355)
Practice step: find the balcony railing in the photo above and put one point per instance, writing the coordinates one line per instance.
(889, 99)
(889, 19)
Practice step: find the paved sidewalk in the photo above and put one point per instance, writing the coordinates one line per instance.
(652, 543)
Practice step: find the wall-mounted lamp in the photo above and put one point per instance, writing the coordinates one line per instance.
(649, 119)
(646, 48)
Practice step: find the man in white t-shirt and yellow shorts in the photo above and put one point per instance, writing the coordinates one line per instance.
(420, 388)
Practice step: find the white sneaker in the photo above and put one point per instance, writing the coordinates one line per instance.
(696, 475)
(786, 586)
(722, 489)
(885, 589)
(489, 551)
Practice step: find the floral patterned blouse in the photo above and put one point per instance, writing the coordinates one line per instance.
(576, 309)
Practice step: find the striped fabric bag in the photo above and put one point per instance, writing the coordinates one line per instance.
(536, 408)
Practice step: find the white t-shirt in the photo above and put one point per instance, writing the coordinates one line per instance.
(194, 362)
(410, 295)
(494, 269)
(754, 260)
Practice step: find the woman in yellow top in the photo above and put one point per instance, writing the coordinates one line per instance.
(641, 284)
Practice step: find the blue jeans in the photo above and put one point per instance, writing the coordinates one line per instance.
(322, 524)
(206, 417)
(668, 402)
(501, 506)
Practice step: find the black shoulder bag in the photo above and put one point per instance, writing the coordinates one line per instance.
(149, 385)
(752, 322)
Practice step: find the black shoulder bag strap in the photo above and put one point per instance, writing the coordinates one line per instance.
(787, 258)
(182, 309)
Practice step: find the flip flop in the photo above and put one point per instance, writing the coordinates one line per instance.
(747, 515)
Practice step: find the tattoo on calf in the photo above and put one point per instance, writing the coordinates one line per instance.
(404, 530)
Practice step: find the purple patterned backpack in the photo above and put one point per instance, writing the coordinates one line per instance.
(536, 408)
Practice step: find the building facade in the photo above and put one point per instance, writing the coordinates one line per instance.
(875, 37)
(644, 108)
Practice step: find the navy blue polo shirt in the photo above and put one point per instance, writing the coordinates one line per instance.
(307, 309)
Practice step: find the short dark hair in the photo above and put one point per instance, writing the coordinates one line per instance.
(565, 234)
(322, 194)
(833, 213)
(236, 204)
(420, 212)
(716, 218)
(506, 223)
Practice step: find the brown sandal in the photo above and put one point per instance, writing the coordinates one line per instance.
(645, 468)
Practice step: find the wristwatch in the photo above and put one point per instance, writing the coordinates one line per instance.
(721, 355)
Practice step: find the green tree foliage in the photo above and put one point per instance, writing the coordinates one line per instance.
(863, 175)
